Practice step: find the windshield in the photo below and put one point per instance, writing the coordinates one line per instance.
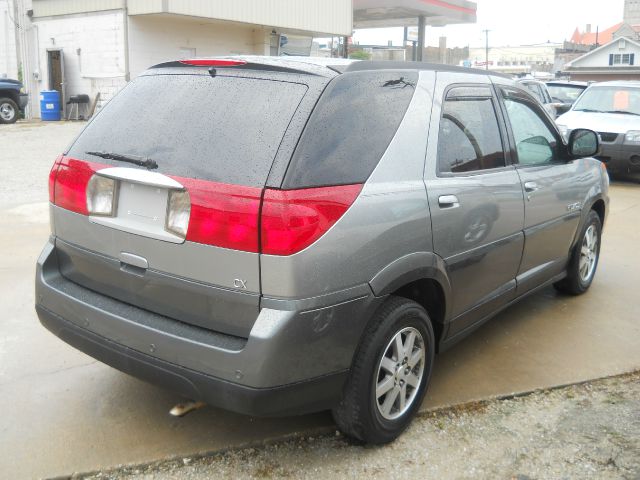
(222, 129)
(565, 93)
(610, 99)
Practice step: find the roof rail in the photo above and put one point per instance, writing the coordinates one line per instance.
(405, 65)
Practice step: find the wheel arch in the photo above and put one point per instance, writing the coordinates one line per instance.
(598, 205)
(420, 277)
(9, 93)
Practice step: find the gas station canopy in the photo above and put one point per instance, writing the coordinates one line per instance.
(406, 13)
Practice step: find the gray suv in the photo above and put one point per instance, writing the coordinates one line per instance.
(282, 236)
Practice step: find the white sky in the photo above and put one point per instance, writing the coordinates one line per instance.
(513, 22)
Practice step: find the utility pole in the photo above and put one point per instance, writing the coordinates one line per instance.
(486, 49)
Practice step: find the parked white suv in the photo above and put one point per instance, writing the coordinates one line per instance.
(613, 110)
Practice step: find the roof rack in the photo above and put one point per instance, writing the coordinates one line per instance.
(405, 65)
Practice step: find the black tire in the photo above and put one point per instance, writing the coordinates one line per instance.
(9, 111)
(358, 414)
(574, 283)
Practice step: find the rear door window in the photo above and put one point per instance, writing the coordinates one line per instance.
(469, 138)
(350, 128)
(222, 129)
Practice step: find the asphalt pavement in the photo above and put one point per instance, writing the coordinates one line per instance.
(62, 412)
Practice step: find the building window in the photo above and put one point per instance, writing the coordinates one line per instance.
(621, 59)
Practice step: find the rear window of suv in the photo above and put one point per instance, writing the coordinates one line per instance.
(350, 128)
(222, 129)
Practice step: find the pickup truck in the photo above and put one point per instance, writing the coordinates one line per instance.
(13, 100)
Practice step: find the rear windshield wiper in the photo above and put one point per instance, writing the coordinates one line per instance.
(626, 112)
(135, 159)
(589, 110)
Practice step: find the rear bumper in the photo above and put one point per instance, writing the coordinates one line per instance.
(294, 361)
(302, 397)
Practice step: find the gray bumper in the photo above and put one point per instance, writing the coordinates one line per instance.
(295, 359)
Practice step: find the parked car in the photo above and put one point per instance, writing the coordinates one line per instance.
(277, 236)
(564, 93)
(13, 100)
(613, 110)
(539, 90)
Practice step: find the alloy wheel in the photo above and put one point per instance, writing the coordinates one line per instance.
(7, 112)
(400, 373)
(588, 254)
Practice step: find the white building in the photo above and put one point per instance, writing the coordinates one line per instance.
(95, 46)
(516, 59)
(617, 60)
(91, 46)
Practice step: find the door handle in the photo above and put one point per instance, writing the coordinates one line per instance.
(448, 201)
(530, 187)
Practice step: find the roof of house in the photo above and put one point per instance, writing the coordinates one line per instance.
(589, 38)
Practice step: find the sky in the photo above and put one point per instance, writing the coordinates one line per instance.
(513, 22)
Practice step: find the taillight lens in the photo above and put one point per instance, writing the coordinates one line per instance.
(227, 216)
(101, 195)
(223, 215)
(70, 184)
(52, 178)
(294, 219)
(178, 213)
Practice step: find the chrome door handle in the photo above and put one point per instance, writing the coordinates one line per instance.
(530, 187)
(448, 201)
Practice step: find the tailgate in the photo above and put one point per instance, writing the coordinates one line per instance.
(214, 140)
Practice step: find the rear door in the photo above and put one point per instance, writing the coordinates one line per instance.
(553, 188)
(213, 137)
(475, 198)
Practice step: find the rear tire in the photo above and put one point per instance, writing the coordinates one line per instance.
(584, 258)
(378, 404)
(8, 111)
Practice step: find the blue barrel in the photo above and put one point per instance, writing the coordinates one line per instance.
(50, 105)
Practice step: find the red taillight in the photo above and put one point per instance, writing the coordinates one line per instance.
(52, 178)
(213, 62)
(70, 183)
(229, 216)
(294, 219)
(223, 215)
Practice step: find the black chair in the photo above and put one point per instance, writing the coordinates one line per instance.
(78, 101)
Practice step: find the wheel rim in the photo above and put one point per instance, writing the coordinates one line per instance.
(588, 253)
(399, 373)
(7, 112)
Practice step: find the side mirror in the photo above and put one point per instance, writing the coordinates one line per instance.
(583, 143)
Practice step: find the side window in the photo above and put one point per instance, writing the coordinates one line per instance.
(535, 91)
(469, 138)
(535, 142)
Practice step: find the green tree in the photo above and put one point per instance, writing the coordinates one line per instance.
(360, 55)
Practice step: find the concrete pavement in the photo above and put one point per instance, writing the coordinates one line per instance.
(62, 412)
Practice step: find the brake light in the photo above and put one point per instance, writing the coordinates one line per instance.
(52, 178)
(274, 222)
(223, 215)
(294, 219)
(70, 184)
(213, 62)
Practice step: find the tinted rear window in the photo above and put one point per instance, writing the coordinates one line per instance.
(223, 129)
(350, 128)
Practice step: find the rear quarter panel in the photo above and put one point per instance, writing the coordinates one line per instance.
(389, 219)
